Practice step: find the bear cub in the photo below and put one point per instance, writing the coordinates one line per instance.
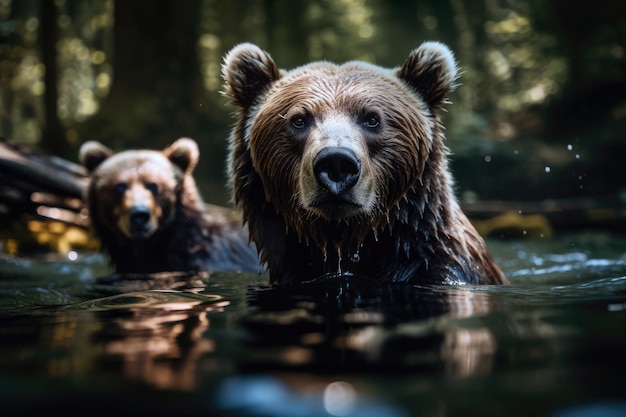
(145, 208)
(343, 169)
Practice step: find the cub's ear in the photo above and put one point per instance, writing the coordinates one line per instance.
(183, 153)
(92, 154)
(248, 71)
(430, 70)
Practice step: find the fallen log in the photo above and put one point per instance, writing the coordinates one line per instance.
(30, 179)
(41, 203)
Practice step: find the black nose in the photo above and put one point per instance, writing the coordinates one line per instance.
(139, 218)
(337, 169)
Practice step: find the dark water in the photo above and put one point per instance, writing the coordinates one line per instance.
(77, 341)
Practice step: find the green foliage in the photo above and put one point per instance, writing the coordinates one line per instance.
(528, 65)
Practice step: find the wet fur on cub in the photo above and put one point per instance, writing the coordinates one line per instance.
(145, 208)
(343, 168)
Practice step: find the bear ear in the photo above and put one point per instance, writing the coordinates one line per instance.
(431, 70)
(92, 153)
(183, 153)
(247, 72)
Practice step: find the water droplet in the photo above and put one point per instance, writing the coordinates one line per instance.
(339, 259)
(515, 152)
(570, 147)
(547, 169)
(487, 158)
(577, 156)
(355, 258)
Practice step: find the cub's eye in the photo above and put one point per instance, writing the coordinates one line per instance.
(152, 187)
(299, 121)
(120, 188)
(371, 120)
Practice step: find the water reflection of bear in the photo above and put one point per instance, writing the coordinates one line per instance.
(155, 336)
(358, 327)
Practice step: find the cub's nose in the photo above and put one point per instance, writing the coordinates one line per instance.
(337, 169)
(139, 217)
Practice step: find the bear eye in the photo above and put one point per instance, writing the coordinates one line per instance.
(152, 187)
(120, 188)
(299, 121)
(371, 120)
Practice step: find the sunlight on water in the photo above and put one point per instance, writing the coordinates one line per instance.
(565, 260)
(268, 396)
(339, 398)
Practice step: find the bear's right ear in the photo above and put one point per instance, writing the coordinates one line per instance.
(183, 153)
(247, 72)
(92, 153)
(431, 70)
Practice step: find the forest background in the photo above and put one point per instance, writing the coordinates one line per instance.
(540, 113)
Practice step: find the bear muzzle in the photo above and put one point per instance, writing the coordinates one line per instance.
(138, 214)
(335, 195)
(337, 169)
(139, 222)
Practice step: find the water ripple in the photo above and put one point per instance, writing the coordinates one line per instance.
(163, 299)
(570, 265)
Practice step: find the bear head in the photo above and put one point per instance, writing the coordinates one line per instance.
(146, 210)
(134, 193)
(333, 156)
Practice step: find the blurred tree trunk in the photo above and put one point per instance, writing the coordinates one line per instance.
(155, 72)
(53, 135)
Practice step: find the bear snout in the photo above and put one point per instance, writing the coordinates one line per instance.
(337, 169)
(139, 221)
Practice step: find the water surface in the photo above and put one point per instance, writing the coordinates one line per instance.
(78, 339)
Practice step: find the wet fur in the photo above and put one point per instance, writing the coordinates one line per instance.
(415, 230)
(190, 236)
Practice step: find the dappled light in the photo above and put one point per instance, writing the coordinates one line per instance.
(518, 72)
(523, 66)
(85, 75)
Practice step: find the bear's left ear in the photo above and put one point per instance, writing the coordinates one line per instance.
(92, 153)
(431, 70)
(248, 71)
(183, 153)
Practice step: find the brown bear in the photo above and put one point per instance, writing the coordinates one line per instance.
(342, 170)
(145, 208)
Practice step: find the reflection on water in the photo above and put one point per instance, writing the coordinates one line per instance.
(171, 281)
(395, 328)
(156, 335)
(550, 344)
